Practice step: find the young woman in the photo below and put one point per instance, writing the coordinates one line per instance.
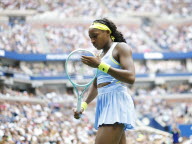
(115, 109)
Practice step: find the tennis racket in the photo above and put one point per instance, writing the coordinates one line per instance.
(79, 74)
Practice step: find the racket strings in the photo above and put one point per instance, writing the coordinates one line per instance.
(79, 72)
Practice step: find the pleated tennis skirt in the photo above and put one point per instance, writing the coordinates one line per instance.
(114, 105)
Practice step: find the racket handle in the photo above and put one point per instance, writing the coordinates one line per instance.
(79, 105)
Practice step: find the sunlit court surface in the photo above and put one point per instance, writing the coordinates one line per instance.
(38, 99)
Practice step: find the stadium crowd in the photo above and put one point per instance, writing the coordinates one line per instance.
(43, 68)
(53, 122)
(22, 38)
(15, 4)
(172, 38)
(23, 123)
(165, 113)
(57, 68)
(19, 38)
(56, 95)
(67, 8)
(73, 8)
(67, 38)
(169, 66)
(43, 124)
(169, 7)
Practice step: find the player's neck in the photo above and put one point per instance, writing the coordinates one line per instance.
(107, 47)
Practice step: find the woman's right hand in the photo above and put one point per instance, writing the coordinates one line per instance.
(77, 114)
(92, 61)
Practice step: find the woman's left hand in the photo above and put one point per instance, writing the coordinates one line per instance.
(91, 61)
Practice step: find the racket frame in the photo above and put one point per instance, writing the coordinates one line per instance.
(75, 85)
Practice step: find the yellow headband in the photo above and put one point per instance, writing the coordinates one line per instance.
(102, 27)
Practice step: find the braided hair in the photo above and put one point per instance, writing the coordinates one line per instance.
(114, 32)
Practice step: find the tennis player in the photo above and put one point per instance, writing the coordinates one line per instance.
(115, 109)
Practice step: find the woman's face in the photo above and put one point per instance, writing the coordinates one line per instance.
(99, 38)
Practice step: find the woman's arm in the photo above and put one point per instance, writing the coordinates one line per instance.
(92, 92)
(127, 73)
(124, 54)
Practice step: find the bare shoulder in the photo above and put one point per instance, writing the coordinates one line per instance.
(123, 48)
